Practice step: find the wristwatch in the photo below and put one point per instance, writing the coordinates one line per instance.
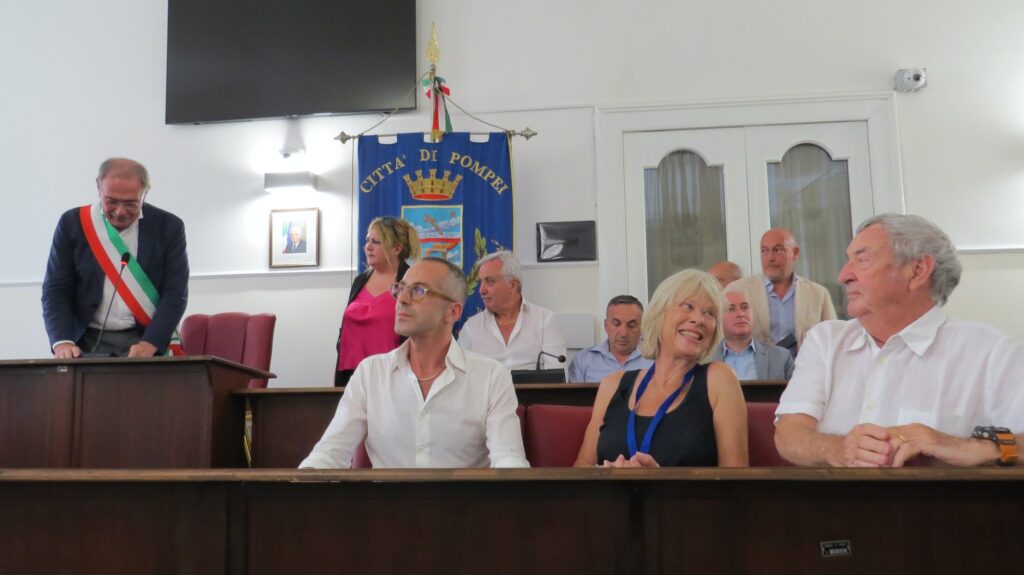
(1003, 438)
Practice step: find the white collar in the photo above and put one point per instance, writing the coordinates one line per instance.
(727, 350)
(455, 357)
(918, 336)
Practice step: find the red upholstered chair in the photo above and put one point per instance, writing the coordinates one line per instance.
(521, 414)
(361, 459)
(761, 435)
(554, 434)
(238, 337)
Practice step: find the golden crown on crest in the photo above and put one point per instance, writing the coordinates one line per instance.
(432, 187)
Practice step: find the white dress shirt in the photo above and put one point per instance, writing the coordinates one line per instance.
(948, 374)
(467, 420)
(535, 330)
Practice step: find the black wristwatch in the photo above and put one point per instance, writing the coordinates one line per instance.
(1003, 438)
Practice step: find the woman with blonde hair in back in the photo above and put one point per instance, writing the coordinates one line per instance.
(368, 325)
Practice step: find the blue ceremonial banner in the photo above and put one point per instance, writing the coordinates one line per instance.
(456, 192)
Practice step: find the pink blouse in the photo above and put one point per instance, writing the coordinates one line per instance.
(368, 328)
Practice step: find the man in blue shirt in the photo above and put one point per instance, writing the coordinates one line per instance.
(749, 359)
(620, 352)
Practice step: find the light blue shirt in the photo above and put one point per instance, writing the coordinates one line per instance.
(743, 363)
(782, 312)
(591, 365)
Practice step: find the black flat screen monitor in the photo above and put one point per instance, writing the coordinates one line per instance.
(245, 59)
(538, 375)
(566, 241)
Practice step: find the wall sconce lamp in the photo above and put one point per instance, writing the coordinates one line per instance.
(276, 182)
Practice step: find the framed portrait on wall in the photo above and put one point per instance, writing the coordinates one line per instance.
(295, 238)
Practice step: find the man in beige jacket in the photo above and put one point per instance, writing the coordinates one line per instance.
(784, 304)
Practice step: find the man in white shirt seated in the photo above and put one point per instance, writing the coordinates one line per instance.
(428, 403)
(749, 359)
(621, 351)
(510, 329)
(902, 382)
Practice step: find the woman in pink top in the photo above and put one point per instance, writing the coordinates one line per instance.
(368, 326)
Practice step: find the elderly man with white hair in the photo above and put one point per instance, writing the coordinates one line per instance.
(511, 330)
(902, 382)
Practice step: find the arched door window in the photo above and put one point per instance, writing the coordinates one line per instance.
(684, 200)
(809, 195)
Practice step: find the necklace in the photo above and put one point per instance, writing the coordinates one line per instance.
(431, 377)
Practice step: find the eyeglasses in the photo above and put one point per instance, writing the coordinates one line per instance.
(128, 205)
(417, 292)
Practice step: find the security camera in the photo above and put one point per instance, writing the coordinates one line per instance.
(911, 79)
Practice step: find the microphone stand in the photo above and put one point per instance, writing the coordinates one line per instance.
(560, 358)
(125, 258)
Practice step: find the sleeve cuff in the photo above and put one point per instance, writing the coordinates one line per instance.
(320, 462)
(810, 409)
(510, 462)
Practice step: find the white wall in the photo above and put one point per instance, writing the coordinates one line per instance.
(83, 81)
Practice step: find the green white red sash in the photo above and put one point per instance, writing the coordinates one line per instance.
(135, 288)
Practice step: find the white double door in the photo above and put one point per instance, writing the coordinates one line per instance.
(747, 163)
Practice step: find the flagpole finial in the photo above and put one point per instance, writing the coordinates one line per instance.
(433, 51)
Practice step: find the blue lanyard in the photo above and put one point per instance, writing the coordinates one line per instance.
(631, 427)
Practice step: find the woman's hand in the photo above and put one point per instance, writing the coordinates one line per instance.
(638, 460)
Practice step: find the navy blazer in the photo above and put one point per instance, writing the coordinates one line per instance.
(73, 286)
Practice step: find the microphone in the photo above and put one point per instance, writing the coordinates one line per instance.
(560, 358)
(125, 258)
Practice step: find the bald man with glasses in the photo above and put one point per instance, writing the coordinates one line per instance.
(428, 403)
(116, 244)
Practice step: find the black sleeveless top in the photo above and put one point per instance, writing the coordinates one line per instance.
(685, 436)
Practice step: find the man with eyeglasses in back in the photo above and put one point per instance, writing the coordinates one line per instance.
(428, 403)
(784, 305)
(116, 243)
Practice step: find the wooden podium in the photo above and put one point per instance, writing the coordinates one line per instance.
(161, 412)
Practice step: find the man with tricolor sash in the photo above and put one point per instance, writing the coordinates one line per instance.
(110, 246)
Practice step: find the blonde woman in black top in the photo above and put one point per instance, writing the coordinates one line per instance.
(683, 410)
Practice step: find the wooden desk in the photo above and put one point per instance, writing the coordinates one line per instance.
(122, 412)
(511, 521)
(763, 390)
(287, 422)
(584, 393)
